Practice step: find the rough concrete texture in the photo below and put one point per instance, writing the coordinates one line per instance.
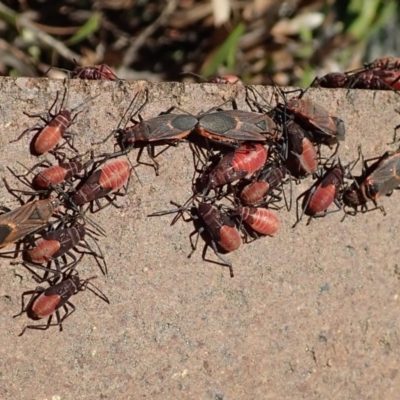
(312, 313)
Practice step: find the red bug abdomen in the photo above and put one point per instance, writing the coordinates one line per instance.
(250, 157)
(53, 175)
(44, 306)
(321, 199)
(308, 158)
(43, 251)
(261, 220)
(47, 139)
(115, 174)
(254, 192)
(230, 239)
(51, 134)
(392, 79)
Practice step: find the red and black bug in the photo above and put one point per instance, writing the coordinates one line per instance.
(52, 129)
(237, 164)
(332, 80)
(270, 178)
(236, 126)
(220, 227)
(54, 175)
(26, 219)
(55, 244)
(51, 176)
(162, 128)
(47, 302)
(59, 190)
(378, 80)
(377, 180)
(387, 63)
(302, 157)
(373, 79)
(95, 72)
(324, 127)
(107, 179)
(222, 231)
(167, 128)
(322, 194)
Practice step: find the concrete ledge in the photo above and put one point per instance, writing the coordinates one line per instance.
(312, 313)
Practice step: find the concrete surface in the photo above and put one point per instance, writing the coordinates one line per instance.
(312, 313)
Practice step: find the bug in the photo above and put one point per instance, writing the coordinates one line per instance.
(161, 128)
(269, 179)
(261, 220)
(378, 179)
(26, 219)
(52, 129)
(375, 79)
(59, 190)
(58, 243)
(332, 80)
(166, 128)
(54, 175)
(326, 128)
(95, 72)
(303, 156)
(221, 229)
(236, 126)
(237, 164)
(47, 302)
(387, 63)
(322, 194)
(103, 181)
(381, 80)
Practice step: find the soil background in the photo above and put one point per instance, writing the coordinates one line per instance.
(311, 313)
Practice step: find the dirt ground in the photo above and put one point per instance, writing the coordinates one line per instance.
(311, 313)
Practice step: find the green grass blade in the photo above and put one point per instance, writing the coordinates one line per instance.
(226, 53)
(87, 29)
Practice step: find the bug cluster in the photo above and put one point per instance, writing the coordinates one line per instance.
(381, 74)
(246, 163)
(260, 154)
(53, 228)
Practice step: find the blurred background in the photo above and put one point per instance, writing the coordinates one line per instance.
(290, 41)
